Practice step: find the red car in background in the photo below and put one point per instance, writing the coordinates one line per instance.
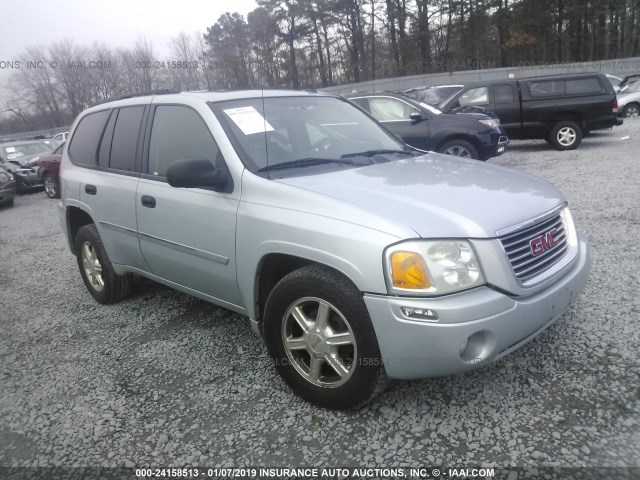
(49, 171)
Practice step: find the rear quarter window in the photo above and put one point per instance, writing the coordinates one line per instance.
(583, 86)
(83, 149)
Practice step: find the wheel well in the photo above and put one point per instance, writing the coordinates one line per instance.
(637, 104)
(473, 141)
(76, 218)
(569, 116)
(273, 268)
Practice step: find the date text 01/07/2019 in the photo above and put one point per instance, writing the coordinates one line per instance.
(314, 472)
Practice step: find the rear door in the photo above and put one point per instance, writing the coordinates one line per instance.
(187, 235)
(107, 144)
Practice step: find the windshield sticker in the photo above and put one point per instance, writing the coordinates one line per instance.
(11, 149)
(249, 120)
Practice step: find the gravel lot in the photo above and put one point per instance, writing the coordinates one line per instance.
(164, 379)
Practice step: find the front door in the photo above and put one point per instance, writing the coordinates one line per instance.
(187, 235)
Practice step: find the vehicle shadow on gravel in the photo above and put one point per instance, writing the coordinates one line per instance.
(590, 142)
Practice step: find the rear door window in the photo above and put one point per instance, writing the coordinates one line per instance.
(86, 137)
(125, 139)
(503, 94)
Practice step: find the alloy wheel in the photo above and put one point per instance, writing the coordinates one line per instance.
(92, 266)
(319, 342)
(566, 136)
(457, 151)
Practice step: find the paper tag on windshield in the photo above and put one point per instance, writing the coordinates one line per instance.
(11, 149)
(249, 120)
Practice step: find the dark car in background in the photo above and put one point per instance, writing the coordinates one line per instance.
(469, 135)
(49, 171)
(558, 108)
(7, 187)
(21, 159)
(433, 96)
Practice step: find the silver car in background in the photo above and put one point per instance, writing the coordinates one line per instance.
(629, 101)
(358, 258)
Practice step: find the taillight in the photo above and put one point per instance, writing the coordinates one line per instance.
(615, 106)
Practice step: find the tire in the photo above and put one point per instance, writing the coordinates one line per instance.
(309, 363)
(565, 135)
(103, 283)
(463, 148)
(631, 111)
(51, 186)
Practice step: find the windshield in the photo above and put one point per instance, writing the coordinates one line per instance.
(297, 132)
(633, 87)
(15, 152)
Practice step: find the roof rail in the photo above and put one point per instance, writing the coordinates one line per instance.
(160, 91)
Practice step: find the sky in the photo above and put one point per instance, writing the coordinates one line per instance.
(117, 23)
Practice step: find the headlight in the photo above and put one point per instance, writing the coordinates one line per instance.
(490, 122)
(4, 178)
(428, 267)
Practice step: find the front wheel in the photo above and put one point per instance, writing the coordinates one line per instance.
(565, 135)
(103, 283)
(51, 186)
(459, 148)
(319, 334)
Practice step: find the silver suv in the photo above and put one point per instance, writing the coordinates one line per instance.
(356, 257)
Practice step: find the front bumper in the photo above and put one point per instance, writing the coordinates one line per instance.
(7, 192)
(29, 180)
(494, 145)
(497, 324)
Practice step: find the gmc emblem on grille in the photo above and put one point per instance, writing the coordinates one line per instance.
(543, 243)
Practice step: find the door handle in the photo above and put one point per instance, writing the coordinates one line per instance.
(148, 201)
(90, 189)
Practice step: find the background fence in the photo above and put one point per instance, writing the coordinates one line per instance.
(619, 67)
(48, 133)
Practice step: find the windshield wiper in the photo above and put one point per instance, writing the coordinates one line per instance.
(379, 151)
(304, 162)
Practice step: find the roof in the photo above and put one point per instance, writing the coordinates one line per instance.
(216, 96)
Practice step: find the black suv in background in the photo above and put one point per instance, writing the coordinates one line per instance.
(469, 135)
(560, 108)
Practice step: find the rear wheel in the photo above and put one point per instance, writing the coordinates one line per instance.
(565, 135)
(319, 335)
(103, 283)
(51, 186)
(460, 148)
(631, 111)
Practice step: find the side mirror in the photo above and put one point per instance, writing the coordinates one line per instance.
(415, 117)
(197, 172)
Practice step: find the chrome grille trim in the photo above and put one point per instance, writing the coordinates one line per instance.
(517, 248)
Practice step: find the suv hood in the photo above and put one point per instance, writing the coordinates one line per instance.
(437, 195)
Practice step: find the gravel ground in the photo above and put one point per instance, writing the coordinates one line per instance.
(164, 379)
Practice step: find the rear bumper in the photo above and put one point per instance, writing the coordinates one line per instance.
(493, 324)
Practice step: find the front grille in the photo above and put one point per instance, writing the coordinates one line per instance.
(517, 246)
